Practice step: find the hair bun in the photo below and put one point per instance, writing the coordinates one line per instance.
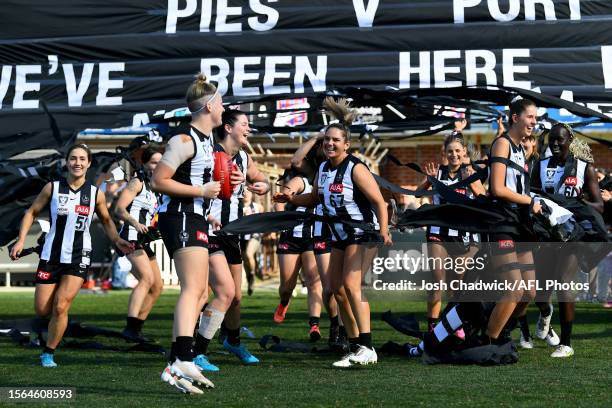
(201, 78)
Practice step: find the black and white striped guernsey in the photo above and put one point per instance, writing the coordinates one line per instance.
(341, 198)
(252, 210)
(71, 212)
(226, 211)
(565, 179)
(195, 171)
(445, 178)
(142, 209)
(303, 230)
(517, 170)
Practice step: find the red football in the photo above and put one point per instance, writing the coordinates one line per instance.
(222, 173)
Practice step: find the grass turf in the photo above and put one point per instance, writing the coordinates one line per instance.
(115, 379)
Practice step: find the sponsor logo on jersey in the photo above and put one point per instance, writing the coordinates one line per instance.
(526, 167)
(461, 191)
(336, 188)
(62, 211)
(434, 238)
(42, 275)
(320, 245)
(505, 244)
(283, 246)
(81, 209)
(201, 236)
(571, 181)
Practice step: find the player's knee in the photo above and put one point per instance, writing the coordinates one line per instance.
(156, 288)
(61, 306)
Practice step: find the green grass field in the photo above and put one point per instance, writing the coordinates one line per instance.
(117, 379)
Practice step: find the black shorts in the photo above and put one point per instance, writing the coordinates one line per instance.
(321, 246)
(137, 246)
(182, 230)
(293, 245)
(229, 245)
(454, 245)
(369, 238)
(505, 243)
(52, 272)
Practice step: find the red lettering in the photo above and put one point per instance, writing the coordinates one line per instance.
(201, 236)
(81, 209)
(283, 246)
(506, 244)
(320, 245)
(571, 181)
(336, 188)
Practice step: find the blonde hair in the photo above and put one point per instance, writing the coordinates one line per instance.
(578, 148)
(342, 111)
(199, 93)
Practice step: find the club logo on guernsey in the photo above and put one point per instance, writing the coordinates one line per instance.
(336, 188)
(86, 199)
(42, 275)
(571, 181)
(201, 236)
(81, 209)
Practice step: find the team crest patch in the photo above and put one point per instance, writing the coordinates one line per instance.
(85, 199)
(201, 236)
(336, 188)
(571, 181)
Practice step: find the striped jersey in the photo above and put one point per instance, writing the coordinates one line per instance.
(341, 198)
(226, 211)
(516, 180)
(196, 171)
(303, 230)
(71, 212)
(142, 209)
(567, 179)
(445, 178)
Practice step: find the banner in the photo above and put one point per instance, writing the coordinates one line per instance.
(89, 60)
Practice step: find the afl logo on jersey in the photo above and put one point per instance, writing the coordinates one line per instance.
(550, 173)
(336, 188)
(81, 209)
(62, 199)
(571, 181)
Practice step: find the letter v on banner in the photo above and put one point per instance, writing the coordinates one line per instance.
(365, 15)
(606, 65)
